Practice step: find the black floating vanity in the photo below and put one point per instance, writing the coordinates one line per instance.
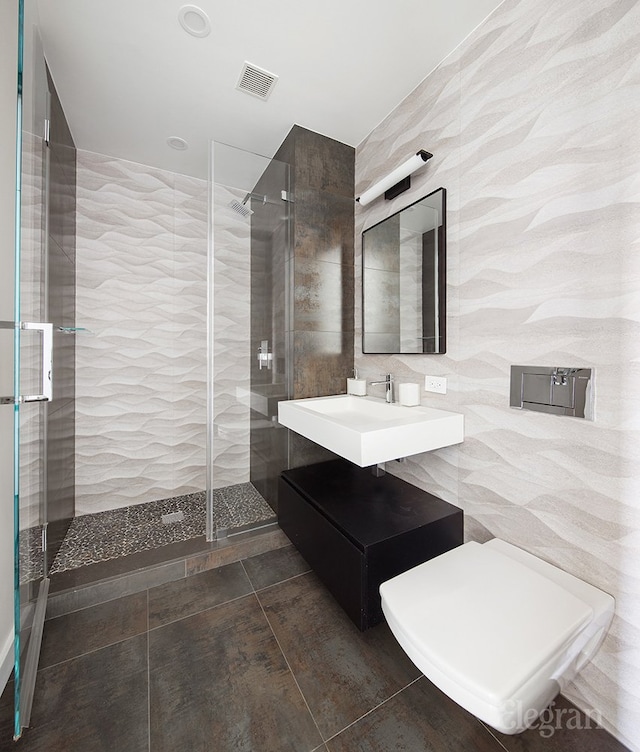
(356, 530)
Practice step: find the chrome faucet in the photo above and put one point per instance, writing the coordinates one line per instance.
(388, 382)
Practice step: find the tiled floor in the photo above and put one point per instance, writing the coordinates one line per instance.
(254, 655)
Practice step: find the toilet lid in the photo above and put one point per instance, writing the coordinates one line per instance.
(484, 619)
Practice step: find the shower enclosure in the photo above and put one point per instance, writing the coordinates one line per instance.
(150, 347)
(41, 410)
(251, 364)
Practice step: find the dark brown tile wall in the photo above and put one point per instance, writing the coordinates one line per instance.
(305, 299)
(62, 295)
(323, 237)
(270, 264)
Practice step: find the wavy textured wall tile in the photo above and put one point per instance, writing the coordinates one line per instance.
(231, 303)
(141, 379)
(533, 126)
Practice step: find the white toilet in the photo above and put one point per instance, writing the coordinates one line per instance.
(496, 629)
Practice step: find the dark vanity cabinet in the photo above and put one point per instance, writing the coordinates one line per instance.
(356, 530)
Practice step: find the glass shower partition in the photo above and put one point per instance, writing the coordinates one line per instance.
(33, 353)
(250, 239)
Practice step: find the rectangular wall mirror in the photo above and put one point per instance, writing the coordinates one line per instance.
(404, 280)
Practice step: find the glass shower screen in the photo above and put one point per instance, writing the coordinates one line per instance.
(250, 208)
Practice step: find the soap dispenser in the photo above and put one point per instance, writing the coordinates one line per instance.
(356, 386)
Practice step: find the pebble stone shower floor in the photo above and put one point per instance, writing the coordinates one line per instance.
(102, 536)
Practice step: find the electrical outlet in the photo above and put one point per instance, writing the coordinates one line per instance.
(436, 384)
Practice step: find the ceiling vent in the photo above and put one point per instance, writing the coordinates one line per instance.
(256, 81)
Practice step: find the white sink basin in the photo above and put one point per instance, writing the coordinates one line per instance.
(367, 430)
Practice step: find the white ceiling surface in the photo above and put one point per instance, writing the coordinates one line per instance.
(129, 76)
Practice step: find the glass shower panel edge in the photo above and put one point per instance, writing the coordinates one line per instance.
(210, 527)
(250, 210)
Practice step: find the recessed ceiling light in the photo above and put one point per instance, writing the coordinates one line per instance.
(175, 142)
(194, 21)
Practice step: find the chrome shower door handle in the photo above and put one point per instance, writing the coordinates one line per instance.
(46, 389)
(46, 393)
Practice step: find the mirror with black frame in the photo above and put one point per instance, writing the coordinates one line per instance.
(404, 280)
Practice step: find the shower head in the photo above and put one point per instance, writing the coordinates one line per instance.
(243, 209)
(240, 208)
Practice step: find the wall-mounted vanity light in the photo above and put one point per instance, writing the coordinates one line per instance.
(397, 181)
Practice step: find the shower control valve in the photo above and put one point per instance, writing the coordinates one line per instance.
(265, 358)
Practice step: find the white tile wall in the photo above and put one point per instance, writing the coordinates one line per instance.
(141, 376)
(533, 123)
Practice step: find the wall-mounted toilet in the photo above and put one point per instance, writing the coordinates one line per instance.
(496, 629)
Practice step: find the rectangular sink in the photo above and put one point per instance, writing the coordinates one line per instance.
(368, 430)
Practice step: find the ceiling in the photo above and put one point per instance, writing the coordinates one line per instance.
(129, 76)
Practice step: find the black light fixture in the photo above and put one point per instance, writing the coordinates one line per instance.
(395, 182)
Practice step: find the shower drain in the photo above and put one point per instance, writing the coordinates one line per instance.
(167, 519)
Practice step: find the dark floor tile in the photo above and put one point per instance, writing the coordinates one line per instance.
(418, 719)
(108, 590)
(126, 564)
(274, 566)
(219, 681)
(562, 728)
(237, 547)
(343, 673)
(6, 716)
(93, 628)
(95, 703)
(176, 600)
